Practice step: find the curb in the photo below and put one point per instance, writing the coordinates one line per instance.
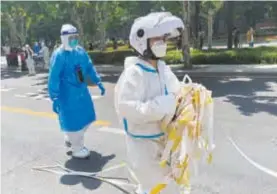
(209, 74)
(179, 72)
(228, 74)
(198, 72)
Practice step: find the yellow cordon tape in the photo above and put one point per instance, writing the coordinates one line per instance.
(189, 136)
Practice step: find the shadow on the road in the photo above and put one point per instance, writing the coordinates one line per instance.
(7, 74)
(41, 81)
(243, 93)
(249, 105)
(106, 78)
(248, 94)
(95, 163)
(110, 78)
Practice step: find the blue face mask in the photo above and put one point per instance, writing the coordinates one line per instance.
(73, 43)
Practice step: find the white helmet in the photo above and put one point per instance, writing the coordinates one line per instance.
(153, 25)
(67, 31)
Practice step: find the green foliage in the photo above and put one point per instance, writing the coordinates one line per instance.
(264, 55)
(213, 5)
(99, 20)
(267, 55)
(110, 57)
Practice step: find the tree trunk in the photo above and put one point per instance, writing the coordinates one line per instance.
(216, 24)
(22, 35)
(77, 19)
(210, 29)
(81, 30)
(197, 22)
(185, 35)
(230, 21)
(102, 8)
(12, 30)
(102, 31)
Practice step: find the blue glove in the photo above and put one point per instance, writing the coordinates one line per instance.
(101, 87)
(55, 106)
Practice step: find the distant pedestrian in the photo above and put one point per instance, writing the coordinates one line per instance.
(29, 53)
(236, 35)
(45, 53)
(250, 37)
(36, 48)
(114, 43)
(201, 39)
(90, 46)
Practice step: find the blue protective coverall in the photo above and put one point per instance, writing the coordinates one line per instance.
(76, 109)
(36, 49)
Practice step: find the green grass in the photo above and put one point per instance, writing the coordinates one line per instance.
(259, 55)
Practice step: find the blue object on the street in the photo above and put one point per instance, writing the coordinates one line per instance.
(101, 87)
(75, 107)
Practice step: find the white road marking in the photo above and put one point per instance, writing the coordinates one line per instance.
(38, 97)
(31, 94)
(20, 96)
(255, 164)
(111, 130)
(42, 91)
(6, 89)
(47, 99)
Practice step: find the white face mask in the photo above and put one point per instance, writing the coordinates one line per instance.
(159, 48)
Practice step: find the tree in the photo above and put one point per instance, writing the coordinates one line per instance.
(24, 22)
(196, 22)
(27, 21)
(45, 20)
(230, 21)
(208, 10)
(14, 15)
(185, 34)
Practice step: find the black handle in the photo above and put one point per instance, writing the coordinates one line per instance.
(80, 74)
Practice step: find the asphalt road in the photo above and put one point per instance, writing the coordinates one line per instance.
(245, 110)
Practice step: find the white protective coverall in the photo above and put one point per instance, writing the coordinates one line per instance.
(30, 61)
(143, 97)
(45, 52)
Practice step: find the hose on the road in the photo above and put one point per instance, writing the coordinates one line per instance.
(117, 182)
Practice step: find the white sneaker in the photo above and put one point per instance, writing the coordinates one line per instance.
(82, 154)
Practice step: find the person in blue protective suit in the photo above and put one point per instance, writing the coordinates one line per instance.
(70, 66)
(145, 93)
(36, 48)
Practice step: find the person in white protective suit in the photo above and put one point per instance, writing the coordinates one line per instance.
(45, 53)
(145, 93)
(29, 60)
